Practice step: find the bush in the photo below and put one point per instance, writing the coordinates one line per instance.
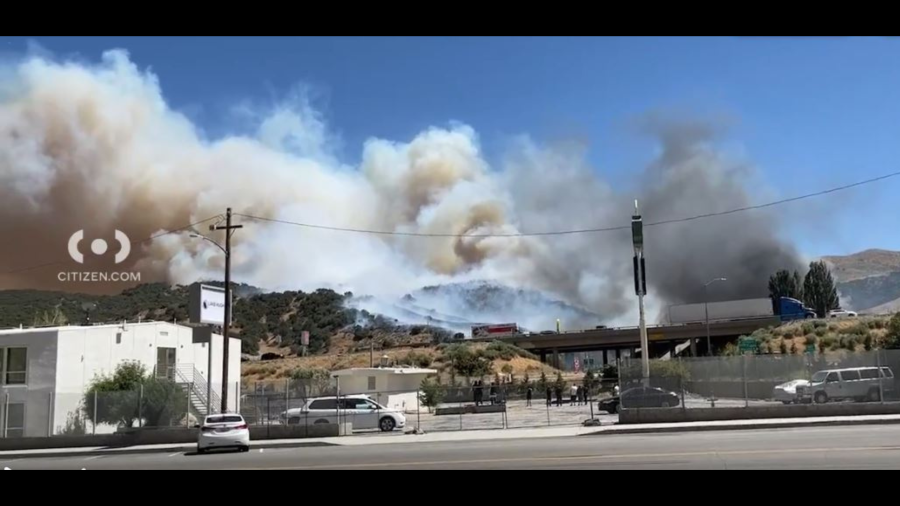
(872, 325)
(869, 342)
(833, 327)
(880, 324)
(783, 347)
(789, 334)
(794, 348)
(131, 394)
(420, 360)
(850, 343)
(893, 333)
(465, 362)
(808, 328)
(812, 340)
(860, 329)
(432, 393)
(504, 351)
(303, 373)
(819, 324)
(820, 332)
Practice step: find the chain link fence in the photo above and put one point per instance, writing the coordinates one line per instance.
(432, 408)
(28, 412)
(762, 380)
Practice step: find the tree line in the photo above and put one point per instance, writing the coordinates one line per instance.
(817, 289)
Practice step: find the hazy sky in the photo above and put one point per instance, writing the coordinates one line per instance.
(809, 113)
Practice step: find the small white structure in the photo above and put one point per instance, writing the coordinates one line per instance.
(392, 387)
(44, 372)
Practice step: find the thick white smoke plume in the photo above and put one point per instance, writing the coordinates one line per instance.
(96, 147)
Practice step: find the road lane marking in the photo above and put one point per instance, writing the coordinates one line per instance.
(585, 458)
(175, 454)
(94, 458)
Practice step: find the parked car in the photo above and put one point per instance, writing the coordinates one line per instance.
(360, 410)
(224, 431)
(858, 384)
(841, 313)
(788, 393)
(641, 397)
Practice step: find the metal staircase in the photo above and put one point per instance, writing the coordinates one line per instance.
(196, 387)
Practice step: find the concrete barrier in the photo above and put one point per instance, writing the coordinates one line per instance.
(471, 410)
(155, 436)
(679, 415)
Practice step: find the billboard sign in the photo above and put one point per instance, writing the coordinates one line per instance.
(207, 305)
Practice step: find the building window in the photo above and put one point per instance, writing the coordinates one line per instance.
(15, 421)
(13, 366)
(373, 383)
(166, 363)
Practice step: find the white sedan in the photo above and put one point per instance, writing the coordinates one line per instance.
(787, 393)
(841, 313)
(224, 431)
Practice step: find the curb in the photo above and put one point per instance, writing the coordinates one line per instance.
(189, 449)
(723, 428)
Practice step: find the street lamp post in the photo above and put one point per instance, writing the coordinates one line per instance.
(709, 350)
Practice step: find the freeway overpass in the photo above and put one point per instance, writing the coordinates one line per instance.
(663, 338)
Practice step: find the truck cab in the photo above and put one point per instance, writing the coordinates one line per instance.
(792, 309)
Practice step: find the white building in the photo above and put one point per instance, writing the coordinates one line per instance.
(392, 387)
(44, 372)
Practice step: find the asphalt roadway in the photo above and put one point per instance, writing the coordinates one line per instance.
(857, 447)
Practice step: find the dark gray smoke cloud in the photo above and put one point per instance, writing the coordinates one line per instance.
(691, 178)
(96, 147)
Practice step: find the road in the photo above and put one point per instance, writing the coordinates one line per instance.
(860, 447)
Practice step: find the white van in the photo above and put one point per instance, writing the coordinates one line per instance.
(858, 384)
(360, 410)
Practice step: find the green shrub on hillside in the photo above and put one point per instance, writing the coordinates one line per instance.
(821, 332)
(893, 334)
(819, 324)
(808, 328)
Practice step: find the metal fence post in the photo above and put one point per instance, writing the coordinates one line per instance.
(94, 428)
(5, 416)
(141, 408)
(880, 376)
(50, 417)
(187, 414)
(744, 372)
(418, 410)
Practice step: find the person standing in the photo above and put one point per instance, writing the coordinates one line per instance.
(529, 393)
(549, 393)
(573, 395)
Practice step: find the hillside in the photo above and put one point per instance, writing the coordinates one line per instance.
(865, 264)
(868, 281)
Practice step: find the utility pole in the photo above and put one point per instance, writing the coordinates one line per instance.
(226, 327)
(640, 287)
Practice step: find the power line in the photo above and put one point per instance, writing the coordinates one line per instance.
(577, 231)
(420, 234)
(152, 237)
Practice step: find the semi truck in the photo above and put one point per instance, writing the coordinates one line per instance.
(787, 309)
(495, 331)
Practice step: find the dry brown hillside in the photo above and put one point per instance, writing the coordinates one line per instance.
(873, 262)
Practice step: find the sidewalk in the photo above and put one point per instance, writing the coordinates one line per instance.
(479, 435)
